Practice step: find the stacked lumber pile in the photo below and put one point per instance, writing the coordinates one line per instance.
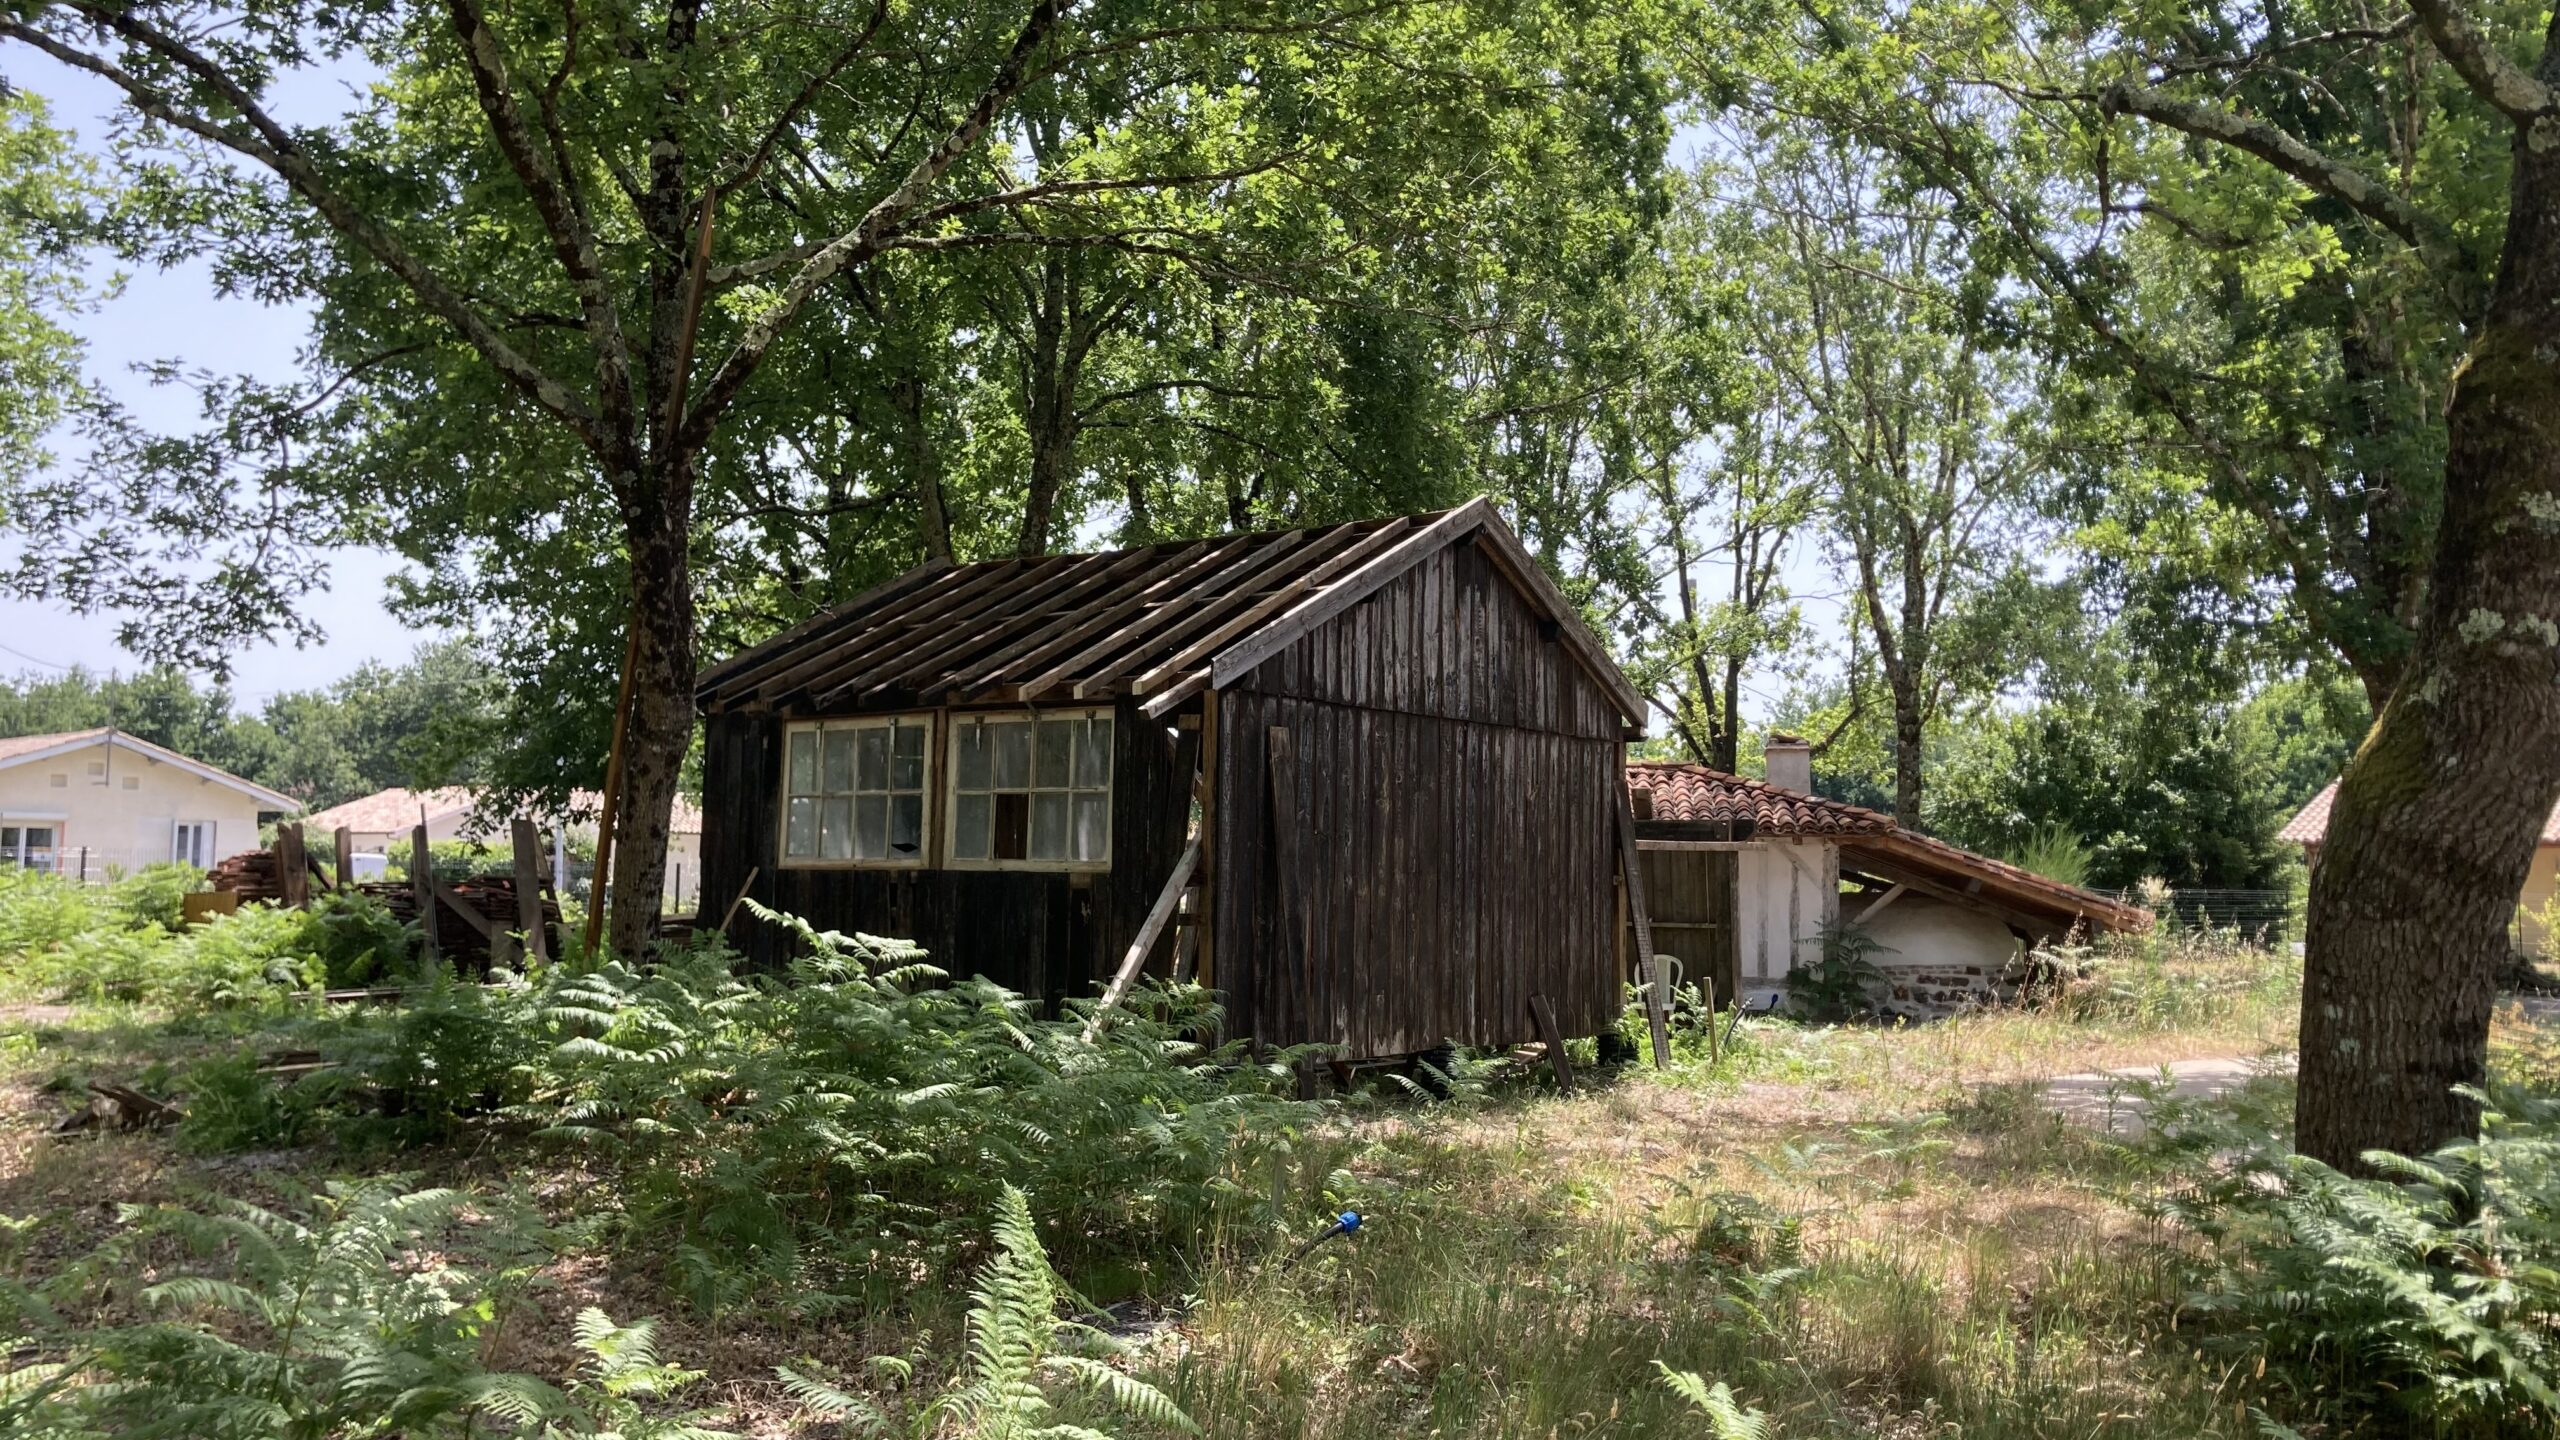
(490, 898)
(253, 875)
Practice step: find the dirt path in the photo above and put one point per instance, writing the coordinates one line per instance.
(2111, 1101)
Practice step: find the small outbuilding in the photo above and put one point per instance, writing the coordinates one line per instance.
(1362, 779)
(1743, 877)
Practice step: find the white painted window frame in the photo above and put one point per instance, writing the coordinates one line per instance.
(926, 839)
(961, 720)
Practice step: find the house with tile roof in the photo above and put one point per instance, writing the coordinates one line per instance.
(2535, 908)
(380, 822)
(1742, 878)
(88, 803)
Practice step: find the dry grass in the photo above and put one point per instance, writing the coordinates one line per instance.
(1864, 1231)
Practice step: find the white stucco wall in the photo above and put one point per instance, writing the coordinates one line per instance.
(122, 808)
(1921, 932)
(1784, 892)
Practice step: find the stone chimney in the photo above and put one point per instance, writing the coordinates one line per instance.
(1790, 761)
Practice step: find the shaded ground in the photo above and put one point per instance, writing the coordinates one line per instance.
(2115, 1100)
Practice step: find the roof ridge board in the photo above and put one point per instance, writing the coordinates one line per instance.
(1066, 630)
(1285, 628)
(728, 673)
(1098, 657)
(1326, 571)
(1230, 610)
(1038, 578)
(931, 654)
(972, 582)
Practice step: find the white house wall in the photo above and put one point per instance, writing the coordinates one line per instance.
(120, 809)
(1784, 893)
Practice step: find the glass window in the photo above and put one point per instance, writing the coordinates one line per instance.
(1031, 789)
(853, 791)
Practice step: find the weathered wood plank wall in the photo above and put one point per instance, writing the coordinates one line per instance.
(1039, 933)
(1450, 807)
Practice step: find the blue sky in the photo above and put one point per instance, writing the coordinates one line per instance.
(176, 315)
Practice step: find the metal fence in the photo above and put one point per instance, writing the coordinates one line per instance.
(2255, 914)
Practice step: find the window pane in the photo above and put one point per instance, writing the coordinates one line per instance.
(906, 758)
(873, 771)
(1013, 820)
(835, 829)
(1093, 755)
(1093, 827)
(804, 762)
(906, 827)
(1057, 742)
(1012, 741)
(40, 837)
(838, 770)
(969, 828)
(800, 834)
(9, 837)
(871, 827)
(975, 747)
(1049, 826)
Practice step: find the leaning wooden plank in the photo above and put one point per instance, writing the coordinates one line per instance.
(1543, 1011)
(489, 929)
(1417, 545)
(1631, 865)
(528, 877)
(1136, 960)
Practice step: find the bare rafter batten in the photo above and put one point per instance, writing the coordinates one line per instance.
(1162, 621)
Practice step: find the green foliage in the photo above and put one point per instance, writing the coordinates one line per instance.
(1726, 1417)
(2163, 979)
(1842, 982)
(2055, 853)
(1019, 1352)
(367, 1317)
(2426, 1297)
(121, 942)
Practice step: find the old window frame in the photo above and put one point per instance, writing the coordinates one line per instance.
(786, 791)
(957, 733)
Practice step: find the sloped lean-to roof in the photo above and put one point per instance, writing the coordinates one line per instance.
(27, 749)
(1162, 622)
(2311, 825)
(1668, 795)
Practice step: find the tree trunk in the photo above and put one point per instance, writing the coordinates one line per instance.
(1907, 730)
(2436, 820)
(660, 733)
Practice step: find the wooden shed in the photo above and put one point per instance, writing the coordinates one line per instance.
(1361, 779)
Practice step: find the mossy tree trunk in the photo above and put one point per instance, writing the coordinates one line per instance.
(2438, 816)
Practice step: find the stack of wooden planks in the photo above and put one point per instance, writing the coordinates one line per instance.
(253, 875)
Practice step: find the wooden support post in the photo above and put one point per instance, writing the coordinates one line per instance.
(1631, 867)
(1186, 935)
(1543, 1011)
(610, 808)
(1715, 1047)
(345, 839)
(1136, 959)
(293, 885)
(1205, 790)
(732, 912)
(1287, 826)
(422, 883)
(527, 842)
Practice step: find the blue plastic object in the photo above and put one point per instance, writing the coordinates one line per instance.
(1347, 1223)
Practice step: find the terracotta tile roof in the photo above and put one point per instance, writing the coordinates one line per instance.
(394, 810)
(1696, 793)
(2310, 824)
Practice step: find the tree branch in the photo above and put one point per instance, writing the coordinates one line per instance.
(2482, 66)
(790, 115)
(273, 146)
(865, 239)
(572, 244)
(2456, 268)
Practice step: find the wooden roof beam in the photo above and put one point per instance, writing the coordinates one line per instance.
(1346, 558)
(1095, 657)
(970, 583)
(751, 664)
(1071, 630)
(1070, 588)
(1038, 580)
(1227, 611)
